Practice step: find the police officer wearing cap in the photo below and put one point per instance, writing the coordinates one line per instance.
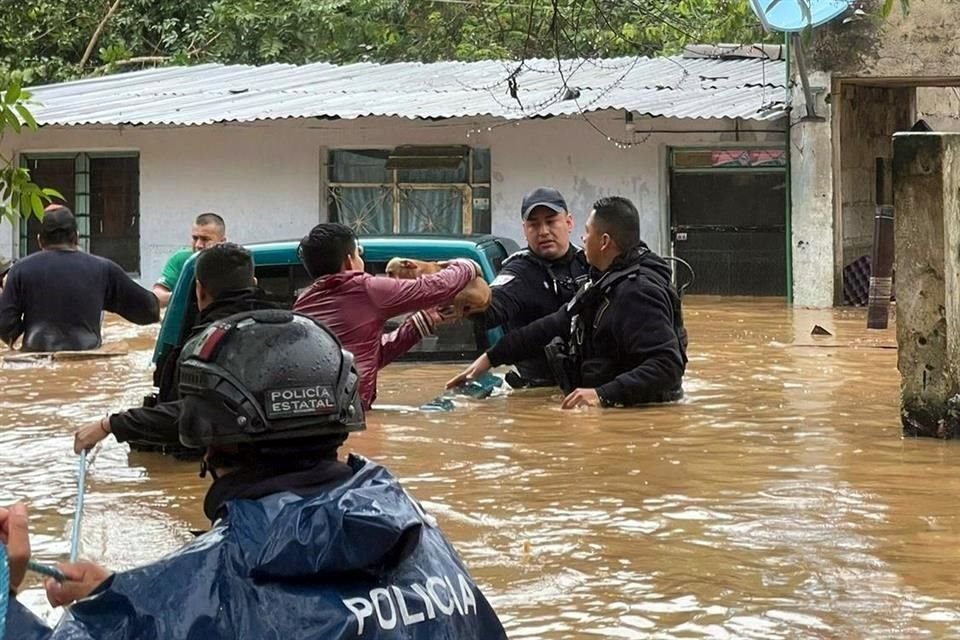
(303, 544)
(538, 280)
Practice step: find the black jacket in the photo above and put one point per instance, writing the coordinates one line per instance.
(633, 345)
(158, 424)
(529, 288)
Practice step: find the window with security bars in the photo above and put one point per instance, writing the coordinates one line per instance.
(411, 190)
(103, 191)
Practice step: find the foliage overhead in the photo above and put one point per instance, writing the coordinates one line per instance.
(46, 40)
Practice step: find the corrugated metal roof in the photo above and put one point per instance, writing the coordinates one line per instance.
(675, 87)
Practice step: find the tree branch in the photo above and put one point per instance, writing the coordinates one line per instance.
(97, 32)
(136, 60)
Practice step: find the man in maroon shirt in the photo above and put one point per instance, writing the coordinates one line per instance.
(356, 305)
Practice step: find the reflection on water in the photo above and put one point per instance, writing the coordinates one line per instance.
(778, 500)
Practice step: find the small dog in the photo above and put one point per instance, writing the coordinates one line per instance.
(475, 298)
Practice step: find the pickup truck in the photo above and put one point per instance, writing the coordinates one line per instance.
(282, 277)
(280, 274)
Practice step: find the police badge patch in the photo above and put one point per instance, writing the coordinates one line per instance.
(300, 401)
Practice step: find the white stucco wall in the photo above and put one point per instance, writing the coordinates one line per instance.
(940, 107)
(266, 178)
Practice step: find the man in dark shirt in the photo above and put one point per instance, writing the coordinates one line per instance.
(56, 297)
(538, 280)
(621, 340)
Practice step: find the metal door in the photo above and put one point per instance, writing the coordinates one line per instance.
(728, 212)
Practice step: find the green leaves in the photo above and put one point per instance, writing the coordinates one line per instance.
(114, 53)
(44, 39)
(19, 196)
(13, 93)
(14, 114)
(26, 115)
(887, 8)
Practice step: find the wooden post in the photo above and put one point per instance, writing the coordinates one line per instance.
(881, 269)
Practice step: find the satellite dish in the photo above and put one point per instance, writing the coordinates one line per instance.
(794, 15)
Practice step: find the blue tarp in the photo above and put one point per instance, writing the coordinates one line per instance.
(358, 561)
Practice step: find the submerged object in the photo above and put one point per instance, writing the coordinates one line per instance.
(440, 403)
(478, 389)
(819, 331)
(41, 356)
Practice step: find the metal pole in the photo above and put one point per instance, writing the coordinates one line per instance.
(881, 269)
(788, 213)
(81, 488)
(805, 81)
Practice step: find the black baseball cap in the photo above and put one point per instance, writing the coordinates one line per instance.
(57, 217)
(542, 197)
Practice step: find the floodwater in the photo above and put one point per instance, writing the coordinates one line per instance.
(778, 500)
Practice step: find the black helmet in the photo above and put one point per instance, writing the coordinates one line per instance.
(267, 375)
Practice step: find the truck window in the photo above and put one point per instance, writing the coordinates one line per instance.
(498, 250)
(282, 283)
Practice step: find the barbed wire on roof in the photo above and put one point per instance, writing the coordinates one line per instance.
(575, 95)
(508, 69)
(559, 23)
(620, 143)
(566, 92)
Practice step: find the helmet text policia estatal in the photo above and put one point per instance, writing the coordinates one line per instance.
(267, 375)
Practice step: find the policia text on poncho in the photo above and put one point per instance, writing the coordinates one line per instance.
(303, 545)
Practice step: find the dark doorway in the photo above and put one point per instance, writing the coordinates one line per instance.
(115, 210)
(727, 219)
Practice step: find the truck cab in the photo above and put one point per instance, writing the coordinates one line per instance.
(282, 277)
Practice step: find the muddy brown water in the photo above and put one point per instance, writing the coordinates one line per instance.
(778, 500)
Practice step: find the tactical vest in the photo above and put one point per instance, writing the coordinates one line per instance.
(573, 362)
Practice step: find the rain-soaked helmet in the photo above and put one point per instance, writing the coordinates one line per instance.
(267, 375)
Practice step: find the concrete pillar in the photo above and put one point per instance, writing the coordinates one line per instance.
(926, 168)
(812, 219)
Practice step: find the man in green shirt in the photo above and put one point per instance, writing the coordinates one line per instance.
(208, 230)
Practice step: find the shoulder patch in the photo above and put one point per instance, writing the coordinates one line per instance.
(502, 279)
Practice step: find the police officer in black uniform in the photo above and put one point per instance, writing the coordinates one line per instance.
(538, 280)
(620, 340)
(225, 285)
